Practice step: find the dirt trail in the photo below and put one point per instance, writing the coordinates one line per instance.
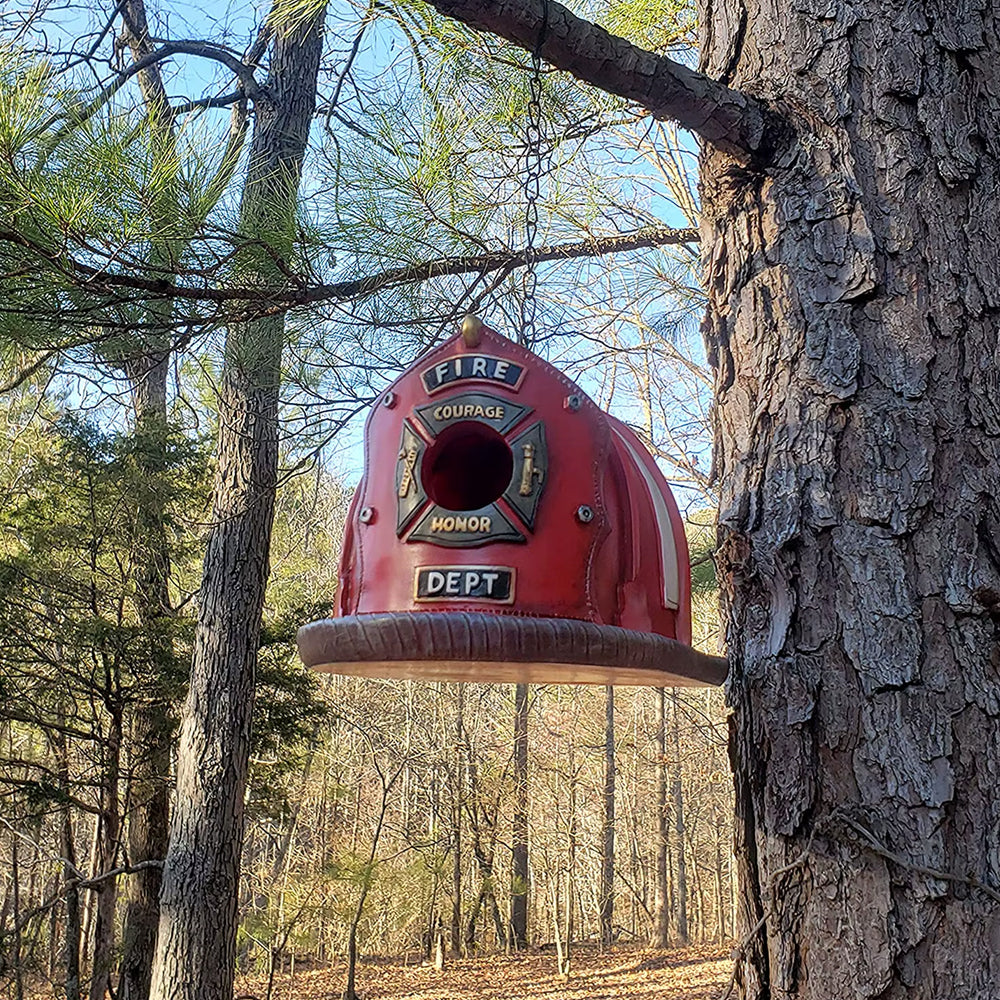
(696, 973)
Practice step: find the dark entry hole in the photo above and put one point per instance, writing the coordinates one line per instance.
(467, 467)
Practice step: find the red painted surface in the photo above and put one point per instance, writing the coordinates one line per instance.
(627, 566)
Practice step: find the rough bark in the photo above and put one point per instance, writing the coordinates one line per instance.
(519, 836)
(195, 956)
(733, 121)
(152, 728)
(853, 320)
(147, 818)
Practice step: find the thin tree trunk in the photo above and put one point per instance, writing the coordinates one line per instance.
(350, 990)
(606, 892)
(720, 899)
(519, 870)
(67, 844)
(571, 866)
(108, 837)
(661, 924)
(562, 957)
(195, 956)
(15, 875)
(677, 792)
(482, 816)
(152, 726)
(458, 791)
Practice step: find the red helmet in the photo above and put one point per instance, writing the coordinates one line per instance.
(507, 529)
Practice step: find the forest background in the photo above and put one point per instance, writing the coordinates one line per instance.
(382, 815)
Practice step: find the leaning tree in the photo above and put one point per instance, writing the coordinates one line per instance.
(850, 174)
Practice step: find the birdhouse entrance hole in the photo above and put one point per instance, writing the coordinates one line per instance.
(467, 467)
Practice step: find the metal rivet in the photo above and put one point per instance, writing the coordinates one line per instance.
(573, 402)
(389, 400)
(367, 515)
(584, 514)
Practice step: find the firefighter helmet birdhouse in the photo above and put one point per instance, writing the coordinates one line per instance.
(507, 529)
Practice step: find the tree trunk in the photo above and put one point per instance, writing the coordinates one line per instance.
(151, 741)
(661, 922)
(457, 804)
(854, 296)
(67, 846)
(571, 863)
(606, 892)
(15, 876)
(519, 836)
(195, 956)
(107, 836)
(152, 726)
(677, 793)
(720, 896)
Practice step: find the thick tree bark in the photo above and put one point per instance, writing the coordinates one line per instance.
(519, 836)
(733, 121)
(195, 957)
(853, 324)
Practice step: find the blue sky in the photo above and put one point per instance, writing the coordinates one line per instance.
(588, 307)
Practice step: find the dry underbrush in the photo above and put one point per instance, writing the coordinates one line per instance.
(694, 973)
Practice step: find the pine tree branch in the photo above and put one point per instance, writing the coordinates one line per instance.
(728, 119)
(278, 299)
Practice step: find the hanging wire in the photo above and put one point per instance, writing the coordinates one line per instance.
(533, 169)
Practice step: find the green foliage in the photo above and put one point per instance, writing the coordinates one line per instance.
(81, 648)
(701, 550)
(287, 714)
(72, 535)
(92, 186)
(652, 24)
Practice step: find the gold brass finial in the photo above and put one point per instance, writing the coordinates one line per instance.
(472, 330)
